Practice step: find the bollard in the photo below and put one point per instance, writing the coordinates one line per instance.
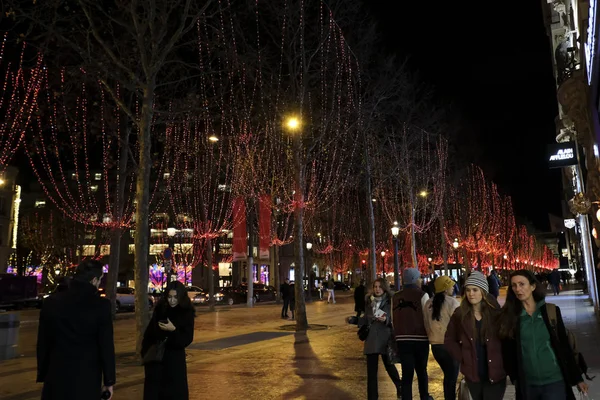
(9, 335)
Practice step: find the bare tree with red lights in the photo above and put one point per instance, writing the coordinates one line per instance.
(411, 180)
(18, 100)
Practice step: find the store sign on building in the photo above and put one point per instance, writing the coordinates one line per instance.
(570, 223)
(590, 43)
(562, 154)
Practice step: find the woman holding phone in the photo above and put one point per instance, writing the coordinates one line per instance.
(172, 323)
(378, 317)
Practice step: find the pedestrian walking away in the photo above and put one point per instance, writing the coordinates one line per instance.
(285, 290)
(410, 333)
(537, 354)
(472, 340)
(380, 338)
(437, 314)
(494, 284)
(331, 290)
(359, 298)
(172, 329)
(75, 348)
(554, 280)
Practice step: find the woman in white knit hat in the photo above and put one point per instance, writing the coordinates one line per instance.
(472, 340)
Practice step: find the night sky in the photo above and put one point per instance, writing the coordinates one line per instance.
(492, 63)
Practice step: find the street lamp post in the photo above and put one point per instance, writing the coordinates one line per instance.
(395, 232)
(383, 263)
(293, 125)
(429, 259)
(308, 270)
(171, 234)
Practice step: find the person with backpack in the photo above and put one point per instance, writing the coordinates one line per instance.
(537, 352)
(410, 333)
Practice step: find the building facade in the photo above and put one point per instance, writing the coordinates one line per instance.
(571, 27)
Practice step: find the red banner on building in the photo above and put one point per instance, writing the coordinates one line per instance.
(240, 242)
(264, 226)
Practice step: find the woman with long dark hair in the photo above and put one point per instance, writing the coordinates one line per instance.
(472, 341)
(379, 318)
(172, 323)
(437, 314)
(536, 350)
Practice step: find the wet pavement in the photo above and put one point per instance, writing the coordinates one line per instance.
(241, 353)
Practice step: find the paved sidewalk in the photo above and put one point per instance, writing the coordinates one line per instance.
(241, 353)
(578, 314)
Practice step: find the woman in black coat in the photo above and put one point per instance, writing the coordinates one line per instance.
(173, 320)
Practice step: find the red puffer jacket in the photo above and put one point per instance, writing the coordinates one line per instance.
(461, 344)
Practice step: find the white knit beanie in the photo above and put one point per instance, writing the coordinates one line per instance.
(478, 279)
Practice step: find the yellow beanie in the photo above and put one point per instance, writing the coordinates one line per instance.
(442, 283)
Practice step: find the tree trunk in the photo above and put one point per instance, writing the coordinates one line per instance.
(211, 276)
(372, 275)
(115, 235)
(443, 243)
(300, 311)
(275, 269)
(142, 197)
(113, 268)
(413, 238)
(250, 281)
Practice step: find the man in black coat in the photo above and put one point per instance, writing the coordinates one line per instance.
(359, 298)
(75, 348)
(285, 291)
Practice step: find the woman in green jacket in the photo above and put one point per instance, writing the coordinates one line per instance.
(536, 352)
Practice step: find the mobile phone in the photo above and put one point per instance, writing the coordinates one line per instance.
(164, 321)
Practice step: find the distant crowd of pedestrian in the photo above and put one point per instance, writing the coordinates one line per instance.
(525, 340)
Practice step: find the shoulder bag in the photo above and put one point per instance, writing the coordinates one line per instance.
(155, 353)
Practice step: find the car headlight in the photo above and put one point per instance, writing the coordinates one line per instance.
(46, 296)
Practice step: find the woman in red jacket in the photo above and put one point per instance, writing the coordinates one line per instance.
(471, 340)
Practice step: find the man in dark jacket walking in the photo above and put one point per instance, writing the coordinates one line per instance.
(494, 284)
(410, 333)
(285, 289)
(554, 279)
(75, 348)
(359, 298)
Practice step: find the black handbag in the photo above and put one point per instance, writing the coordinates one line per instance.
(363, 332)
(155, 353)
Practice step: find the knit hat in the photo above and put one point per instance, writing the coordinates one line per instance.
(442, 283)
(411, 276)
(478, 279)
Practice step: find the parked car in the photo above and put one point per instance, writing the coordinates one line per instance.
(18, 291)
(126, 298)
(193, 291)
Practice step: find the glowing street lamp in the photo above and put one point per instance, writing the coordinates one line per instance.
(423, 193)
(213, 138)
(292, 123)
(395, 233)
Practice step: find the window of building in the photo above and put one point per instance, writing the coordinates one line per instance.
(89, 250)
(132, 249)
(40, 203)
(98, 176)
(166, 175)
(94, 188)
(106, 219)
(105, 250)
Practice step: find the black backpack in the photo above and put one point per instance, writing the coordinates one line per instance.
(551, 309)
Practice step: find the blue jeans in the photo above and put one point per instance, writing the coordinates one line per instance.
(550, 391)
(449, 367)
